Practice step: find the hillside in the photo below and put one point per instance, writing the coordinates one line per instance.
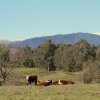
(60, 38)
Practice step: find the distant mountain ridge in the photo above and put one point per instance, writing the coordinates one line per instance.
(5, 41)
(58, 39)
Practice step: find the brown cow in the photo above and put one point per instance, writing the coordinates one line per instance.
(66, 82)
(47, 83)
(62, 82)
(55, 82)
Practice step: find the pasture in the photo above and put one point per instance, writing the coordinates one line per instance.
(16, 88)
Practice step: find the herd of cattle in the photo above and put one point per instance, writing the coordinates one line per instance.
(31, 79)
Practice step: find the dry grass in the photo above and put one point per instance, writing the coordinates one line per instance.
(19, 91)
(18, 76)
(69, 92)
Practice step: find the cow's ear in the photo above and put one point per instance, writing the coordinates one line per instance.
(27, 77)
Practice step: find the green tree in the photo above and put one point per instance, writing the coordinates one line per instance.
(83, 52)
(44, 55)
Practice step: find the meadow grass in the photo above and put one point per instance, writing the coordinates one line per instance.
(78, 91)
(68, 92)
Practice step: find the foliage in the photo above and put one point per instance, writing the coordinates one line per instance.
(44, 55)
(23, 57)
(5, 62)
(28, 63)
(80, 56)
(53, 56)
(91, 73)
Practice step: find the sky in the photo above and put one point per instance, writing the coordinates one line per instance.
(23, 19)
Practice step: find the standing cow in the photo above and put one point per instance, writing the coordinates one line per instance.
(31, 78)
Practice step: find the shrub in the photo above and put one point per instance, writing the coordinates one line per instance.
(91, 73)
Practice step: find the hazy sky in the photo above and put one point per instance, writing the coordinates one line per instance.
(21, 19)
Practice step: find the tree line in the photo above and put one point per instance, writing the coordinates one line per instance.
(80, 56)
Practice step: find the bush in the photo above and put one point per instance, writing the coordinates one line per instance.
(28, 63)
(91, 73)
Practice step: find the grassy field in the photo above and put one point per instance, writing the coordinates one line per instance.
(16, 88)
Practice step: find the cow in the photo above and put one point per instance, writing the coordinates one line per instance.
(55, 82)
(47, 83)
(31, 78)
(62, 82)
(66, 82)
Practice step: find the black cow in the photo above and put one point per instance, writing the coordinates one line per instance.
(31, 79)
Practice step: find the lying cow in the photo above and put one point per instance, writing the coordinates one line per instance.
(47, 83)
(31, 78)
(65, 82)
(62, 82)
(55, 82)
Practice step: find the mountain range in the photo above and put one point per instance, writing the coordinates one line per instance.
(58, 39)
